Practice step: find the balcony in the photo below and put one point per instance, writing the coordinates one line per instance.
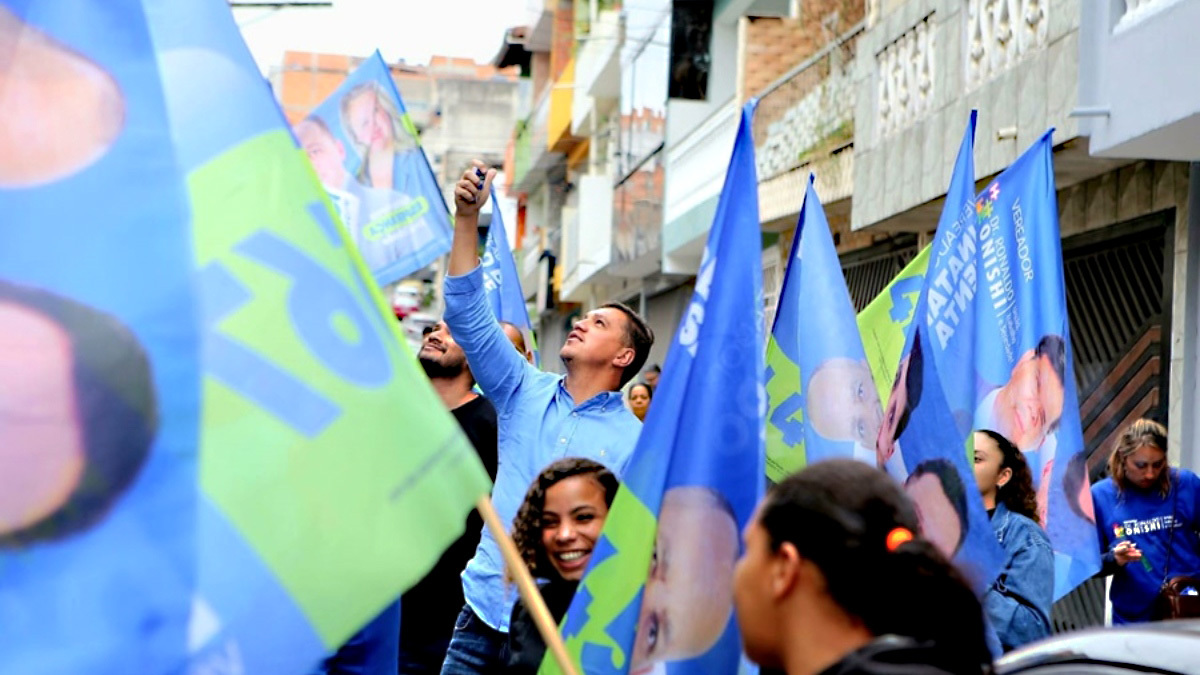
(586, 238)
(533, 155)
(562, 93)
(920, 70)
(696, 166)
(1128, 111)
(597, 73)
(805, 123)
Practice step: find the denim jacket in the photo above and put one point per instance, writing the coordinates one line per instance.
(1018, 603)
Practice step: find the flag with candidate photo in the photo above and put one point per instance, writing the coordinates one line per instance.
(367, 153)
(658, 593)
(822, 398)
(923, 441)
(238, 461)
(1024, 375)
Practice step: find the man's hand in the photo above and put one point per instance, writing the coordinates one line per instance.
(471, 192)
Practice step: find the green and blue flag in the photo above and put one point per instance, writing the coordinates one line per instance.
(228, 459)
(823, 402)
(658, 593)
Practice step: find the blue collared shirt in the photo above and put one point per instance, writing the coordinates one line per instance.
(539, 423)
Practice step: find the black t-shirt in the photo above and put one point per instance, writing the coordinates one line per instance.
(525, 647)
(428, 610)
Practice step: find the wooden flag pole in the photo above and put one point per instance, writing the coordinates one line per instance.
(530, 594)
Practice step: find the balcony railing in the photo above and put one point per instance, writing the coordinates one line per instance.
(809, 112)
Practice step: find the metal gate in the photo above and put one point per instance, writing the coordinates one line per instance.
(1118, 303)
(868, 272)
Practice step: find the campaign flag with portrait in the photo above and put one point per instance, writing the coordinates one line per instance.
(368, 155)
(216, 453)
(501, 282)
(1024, 377)
(883, 323)
(822, 398)
(658, 592)
(920, 441)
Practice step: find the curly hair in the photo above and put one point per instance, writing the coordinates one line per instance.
(1017, 495)
(527, 526)
(1139, 433)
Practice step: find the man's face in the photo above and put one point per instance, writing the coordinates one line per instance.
(325, 153)
(940, 524)
(688, 597)
(843, 404)
(440, 355)
(42, 455)
(597, 338)
(885, 441)
(369, 122)
(1033, 401)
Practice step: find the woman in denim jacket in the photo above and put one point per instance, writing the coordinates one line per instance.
(1018, 603)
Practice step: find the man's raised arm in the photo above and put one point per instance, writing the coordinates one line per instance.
(497, 367)
(470, 194)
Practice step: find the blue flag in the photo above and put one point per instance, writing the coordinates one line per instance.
(658, 591)
(503, 285)
(921, 441)
(823, 401)
(99, 375)
(368, 156)
(216, 453)
(1024, 367)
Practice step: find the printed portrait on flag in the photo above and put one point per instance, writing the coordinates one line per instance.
(78, 414)
(197, 377)
(1024, 365)
(365, 150)
(98, 368)
(658, 593)
(823, 401)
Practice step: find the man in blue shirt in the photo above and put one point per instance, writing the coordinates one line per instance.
(543, 417)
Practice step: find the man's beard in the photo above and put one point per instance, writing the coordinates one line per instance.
(436, 370)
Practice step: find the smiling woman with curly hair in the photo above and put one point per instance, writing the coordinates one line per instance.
(555, 531)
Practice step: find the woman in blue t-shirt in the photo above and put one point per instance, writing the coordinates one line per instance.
(1147, 516)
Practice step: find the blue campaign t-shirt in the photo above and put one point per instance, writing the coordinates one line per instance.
(1156, 523)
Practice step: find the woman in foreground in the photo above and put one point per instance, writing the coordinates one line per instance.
(833, 581)
(555, 531)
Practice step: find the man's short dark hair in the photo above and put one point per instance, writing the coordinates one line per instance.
(637, 335)
(114, 390)
(1054, 348)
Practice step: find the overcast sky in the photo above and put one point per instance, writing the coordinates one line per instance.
(412, 30)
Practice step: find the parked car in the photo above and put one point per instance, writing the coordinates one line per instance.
(406, 300)
(1171, 647)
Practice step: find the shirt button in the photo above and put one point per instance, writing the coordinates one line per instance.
(603, 453)
(574, 414)
(563, 439)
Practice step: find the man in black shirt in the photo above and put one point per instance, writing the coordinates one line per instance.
(429, 609)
